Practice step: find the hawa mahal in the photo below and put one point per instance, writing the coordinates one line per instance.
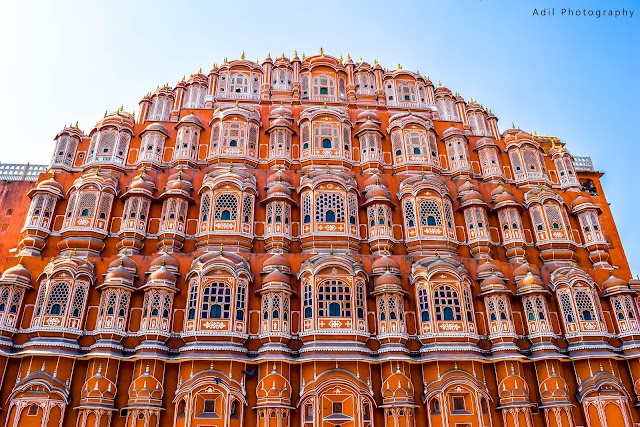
(313, 242)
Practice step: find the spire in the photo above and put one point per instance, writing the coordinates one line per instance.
(242, 56)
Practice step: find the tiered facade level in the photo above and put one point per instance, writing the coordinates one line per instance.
(314, 242)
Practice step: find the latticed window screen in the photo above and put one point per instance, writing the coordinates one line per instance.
(415, 143)
(537, 218)
(530, 157)
(226, 207)
(430, 213)
(353, 209)
(308, 300)
(216, 301)
(162, 109)
(205, 207)
(329, 208)
(326, 131)
(105, 205)
(396, 142)
(42, 292)
(324, 85)
(364, 83)
(433, 148)
(253, 136)
(468, 305)
(4, 299)
(194, 96)
(567, 306)
(334, 299)
(123, 305)
(423, 304)
(584, 304)
(304, 86)
(478, 124)
(446, 304)
(406, 92)
(554, 216)
(342, 89)
(247, 209)
(234, 135)
(58, 299)
(86, 204)
(77, 303)
(241, 300)
(346, 141)
(306, 208)
(516, 162)
(409, 213)
(360, 300)
(192, 304)
(281, 79)
(239, 83)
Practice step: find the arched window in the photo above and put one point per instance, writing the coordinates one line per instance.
(58, 299)
(329, 208)
(430, 214)
(423, 304)
(308, 300)
(216, 301)
(324, 88)
(446, 297)
(334, 299)
(326, 143)
(226, 207)
(239, 83)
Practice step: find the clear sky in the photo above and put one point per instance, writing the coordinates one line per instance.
(569, 76)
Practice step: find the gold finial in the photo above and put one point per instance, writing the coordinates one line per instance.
(331, 250)
(304, 56)
(321, 51)
(225, 60)
(438, 254)
(242, 56)
(325, 105)
(98, 170)
(361, 60)
(237, 103)
(375, 61)
(341, 60)
(418, 71)
(257, 61)
(409, 111)
(76, 125)
(295, 52)
(221, 248)
(399, 66)
(328, 169)
(513, 125)
(20, 261)
(230, 167)
(348, 56)
(105, 113)
(268, 54)
(439, 83)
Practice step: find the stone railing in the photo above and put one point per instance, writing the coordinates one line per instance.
(23, 172)
(583, 164)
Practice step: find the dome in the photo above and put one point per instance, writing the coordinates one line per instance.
(164, 260)
(387, 279)
(368, 126)
(276, 262)
(614, 284)
(492, 283)
(525, 268)
(377, 193)
(465, 187)
(161, 276)
(281, 112)
(278, 189)
(18, 275)
(156, 127)
(374, 179)
(485, 269)
(119, 119)
(523, 135)
(276, 276)
(273, 388)
(472, 198)
(385, 263)
(119, 274)
(443, 90)
(530, 283)
(397, 388)
(452, 131)
(279, 176)
(50, 184)
(142, 184)
(368, 115)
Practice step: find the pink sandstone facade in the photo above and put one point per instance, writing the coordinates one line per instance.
(313, 242)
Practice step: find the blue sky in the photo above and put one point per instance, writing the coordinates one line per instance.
(573, 77)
